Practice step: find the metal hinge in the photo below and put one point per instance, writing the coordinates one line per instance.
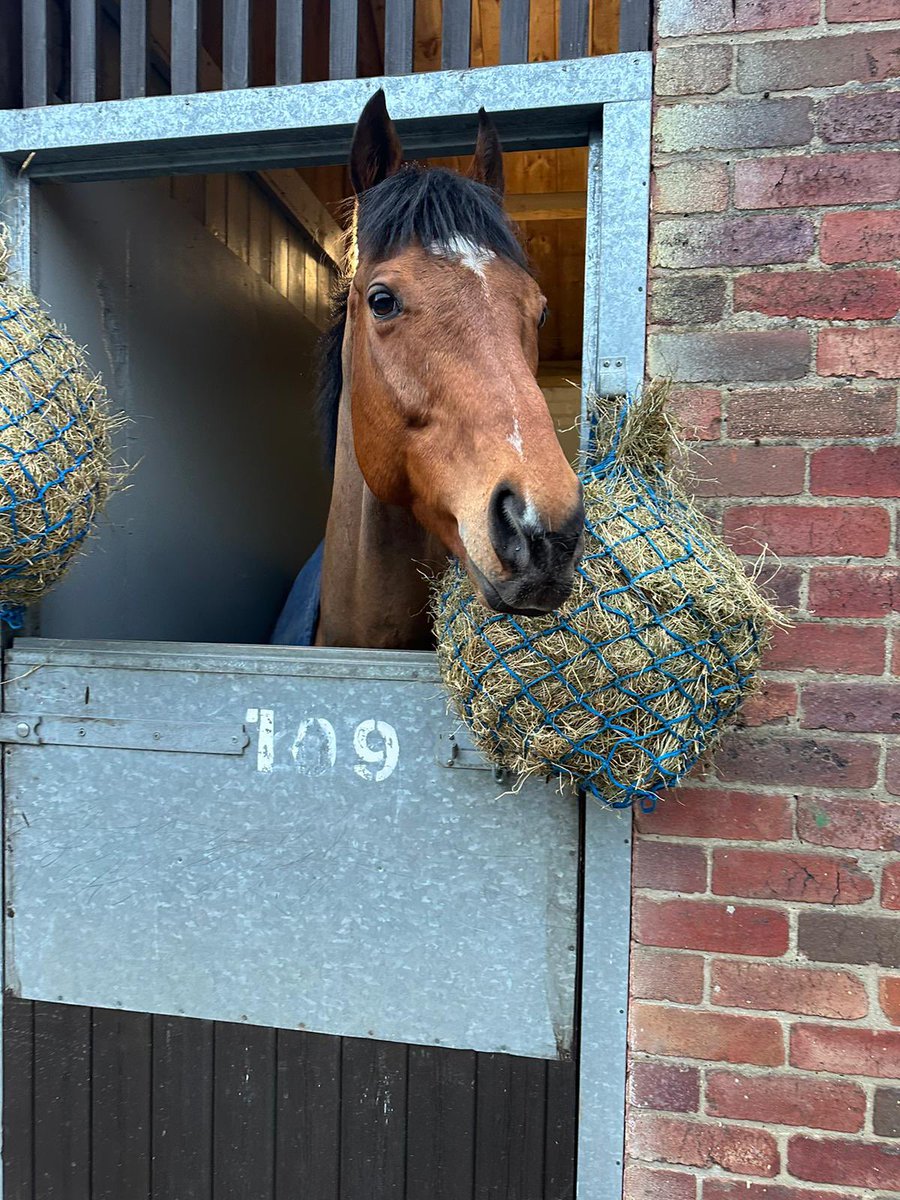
(455, 750)
(612, 378)
(112, 734)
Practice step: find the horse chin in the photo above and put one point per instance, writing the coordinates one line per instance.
(521, 598)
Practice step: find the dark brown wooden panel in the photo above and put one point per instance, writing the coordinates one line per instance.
(441, 1124)
(18, 1099)
(308, 1116)
(373, 1120)
(62, 1102)
(510, 1128)
(121, 1063)
(182, 1100)
(243, 1112)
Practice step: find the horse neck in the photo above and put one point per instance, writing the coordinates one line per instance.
(373, 591)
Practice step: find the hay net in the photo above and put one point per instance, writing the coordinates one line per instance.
(55, 471)
(625, 687)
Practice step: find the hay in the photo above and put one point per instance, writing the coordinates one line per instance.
(625, 687)
(55, 458)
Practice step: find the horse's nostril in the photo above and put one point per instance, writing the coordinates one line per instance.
(506, 525)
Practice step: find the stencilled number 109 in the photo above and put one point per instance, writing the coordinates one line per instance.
(314, 748)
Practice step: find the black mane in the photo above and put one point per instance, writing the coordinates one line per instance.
(428, 205)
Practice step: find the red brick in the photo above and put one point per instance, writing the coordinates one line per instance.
(665, 1087)
(808, 529)
(685, 70)
(812, 412)
(849, 937)
(853, 1163)
(786, 1100)
(786, 65)
(854, 591)
(644, 1183)
(657, 975)
(860, 10)
(890, 886)
(669, 866)
(846, 1051)
(748, 471)
(732, 241)
(799, 181)
(848, 649)
(732, 125)
(889, 998)
(782, 586)
(677, 299)
(856, 471)
(738, 1189)
(741, 354)
(850, 824)
(694, 1143)
(863, 353)
(699, 412)
(892, 773)
(690, 187)
(860, 236)
(771, 704)
(783, 875)
(714, 813)
(861, 294)
(868, 117)
(807, 762)
(807, 991)
(709, 1037)
(721, 16)
(706, 925)
(852, 707)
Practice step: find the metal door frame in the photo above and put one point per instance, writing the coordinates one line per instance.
(604, 103)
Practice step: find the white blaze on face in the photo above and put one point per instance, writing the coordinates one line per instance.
(515, 438)
(468, 253)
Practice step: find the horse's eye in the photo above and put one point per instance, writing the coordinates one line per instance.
(383, 303)
(542, 319)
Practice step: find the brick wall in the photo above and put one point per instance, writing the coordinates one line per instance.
(765, 1023)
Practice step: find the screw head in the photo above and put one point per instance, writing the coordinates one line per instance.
(23, 729)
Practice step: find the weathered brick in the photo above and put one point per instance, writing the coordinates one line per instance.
(823, 179)
(786, 1100)
(748, 471)
(886, 1113)
(890, 886)
(848, 938)
(892, 772)
(834, 1160)
(699, 412)
(679, 17)
(665, 1086)
(841, 649)
(797, 761)
(782, 585)
(739, 1189)
(812, 412)
(709, 1037)
(731, 355)
(771, 703)
(860, 10)
(732, 124)
(732, 241)
(706, 925)
(693, 1143)
(846, 1051)
(889, 999)
(685, 70)
(779, 66)
(856, 471)
(860, 237)
(849, 824)
(807, 529)
(690, 187)
(714, 813)
(659, 975)
(771, 987)
(869, 117)
(669, 866)
(645, 1183)
(687, 299)
(864, 293)
(852, 707)
(787, 875)
(854, 591)
(863, 353)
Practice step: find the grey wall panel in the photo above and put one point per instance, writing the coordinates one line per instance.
(215, 371)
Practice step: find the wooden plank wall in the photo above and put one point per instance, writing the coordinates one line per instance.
(103, 1105)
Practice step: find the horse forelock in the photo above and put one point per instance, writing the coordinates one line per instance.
(436, 208)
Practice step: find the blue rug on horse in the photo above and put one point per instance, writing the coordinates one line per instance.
(296, 626)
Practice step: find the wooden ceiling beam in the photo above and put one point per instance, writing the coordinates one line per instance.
(547, 206)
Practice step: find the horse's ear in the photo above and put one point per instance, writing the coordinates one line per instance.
(487, 166)
(376, 151)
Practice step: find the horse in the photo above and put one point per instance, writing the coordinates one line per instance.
(440, 437)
